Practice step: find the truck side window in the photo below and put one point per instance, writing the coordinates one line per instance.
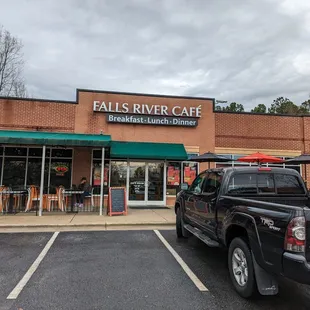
(242, 183)
(212, 183)
(197, 184)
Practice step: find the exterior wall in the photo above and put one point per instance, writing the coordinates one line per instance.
(87, 121)
(37, 115)
(81, 164)
(243, 133)
(239, 133)
(259, 131)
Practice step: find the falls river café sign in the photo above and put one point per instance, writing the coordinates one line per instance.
(146, 114)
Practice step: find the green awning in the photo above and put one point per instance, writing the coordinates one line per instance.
(148, 150)
(52, 138)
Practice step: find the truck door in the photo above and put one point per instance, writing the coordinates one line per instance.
(192, 196)
(206, 202)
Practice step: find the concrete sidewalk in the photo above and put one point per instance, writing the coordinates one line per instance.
(90, 221)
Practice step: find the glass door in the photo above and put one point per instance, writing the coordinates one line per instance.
(146, 183)
(137, 178)
(155, 188)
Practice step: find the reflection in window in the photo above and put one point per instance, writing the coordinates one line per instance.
(15, 151)
(136, 181)
(96, 175)
(265, 183)
(190, 171)
(14, 172)
(173, 177)
(243, 183)
(34, 171)
(288, 184)
(118, 174)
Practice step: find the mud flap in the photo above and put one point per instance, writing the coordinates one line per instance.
(266, 283)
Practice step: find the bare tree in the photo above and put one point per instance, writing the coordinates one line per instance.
(11, 66)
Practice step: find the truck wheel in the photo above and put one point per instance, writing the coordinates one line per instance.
(241, 268)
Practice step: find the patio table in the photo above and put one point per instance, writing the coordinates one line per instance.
(73, 194)
(11, 194)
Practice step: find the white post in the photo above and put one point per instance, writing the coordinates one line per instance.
(101, 182)
(42, 181)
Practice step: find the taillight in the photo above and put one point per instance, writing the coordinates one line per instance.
(295, 238)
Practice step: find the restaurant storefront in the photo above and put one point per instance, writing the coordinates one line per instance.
(137, 141)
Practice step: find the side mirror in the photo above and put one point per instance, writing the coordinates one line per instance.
(184, 186)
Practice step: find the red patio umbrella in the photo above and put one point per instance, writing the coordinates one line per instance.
(260, 158)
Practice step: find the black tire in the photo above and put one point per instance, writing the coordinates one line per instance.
(179, 224)
(249, 288)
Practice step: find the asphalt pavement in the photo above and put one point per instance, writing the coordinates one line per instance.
(125, 270)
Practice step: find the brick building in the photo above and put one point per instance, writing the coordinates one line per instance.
(147, 141)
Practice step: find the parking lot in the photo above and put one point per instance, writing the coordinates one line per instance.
(123, 270)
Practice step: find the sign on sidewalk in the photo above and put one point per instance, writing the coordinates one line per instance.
(117, 203)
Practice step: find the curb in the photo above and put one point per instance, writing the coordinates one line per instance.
(86, 225)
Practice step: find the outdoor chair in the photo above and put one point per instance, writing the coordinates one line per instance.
(50, 198)
(4, 198)
(90, 198)
(33, 197)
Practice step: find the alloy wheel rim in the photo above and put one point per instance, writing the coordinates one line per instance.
(240, 267)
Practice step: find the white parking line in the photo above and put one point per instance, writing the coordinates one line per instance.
(19, 287)
(185, 267)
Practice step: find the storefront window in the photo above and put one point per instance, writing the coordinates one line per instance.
(60, 173)
(96, 176)
(14, 172)
(173, 177)
(16, 151)
(190, 171)
(118, 174)
(34, 171)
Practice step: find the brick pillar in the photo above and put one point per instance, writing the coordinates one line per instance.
(81, 164)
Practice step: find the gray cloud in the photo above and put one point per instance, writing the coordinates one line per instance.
(245, 51)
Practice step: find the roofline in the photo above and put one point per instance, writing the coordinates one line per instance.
(261, 114)
(78, 90)
(37, 99)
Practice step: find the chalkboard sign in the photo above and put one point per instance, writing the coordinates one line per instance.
(117, 203)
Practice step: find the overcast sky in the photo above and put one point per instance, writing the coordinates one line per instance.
(249, 51)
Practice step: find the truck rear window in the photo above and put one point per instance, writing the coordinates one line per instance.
(264, 183)
(288, 184)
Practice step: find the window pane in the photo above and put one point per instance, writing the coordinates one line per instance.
(265, 183)
(213, 183)
(173, 177)
(197, 183)
(242, 184)
(60, 173)
(14, 172)
(97, 154)
(1, 150)
(34, 171)
(36, 152)
(288, 184)
(15, 151)
(190, 171)
(96, 182)
(62, 153)
(118, 174)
